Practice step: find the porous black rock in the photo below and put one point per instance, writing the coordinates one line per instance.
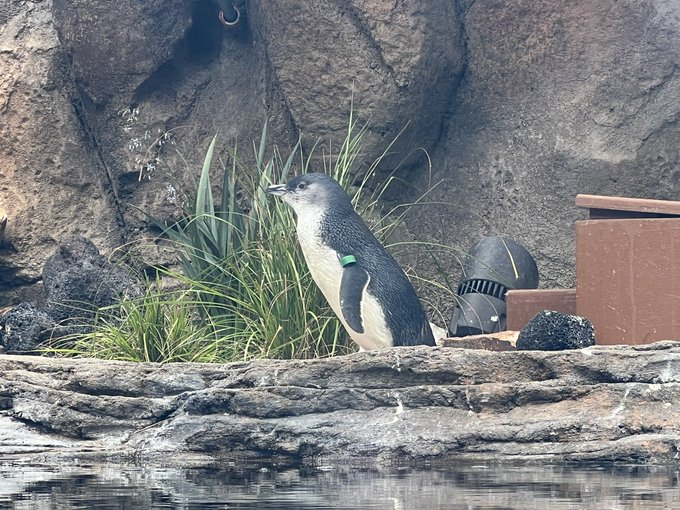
(554, 331)
(77, 280)
(24, 328)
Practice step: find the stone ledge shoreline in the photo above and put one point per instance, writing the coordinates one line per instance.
(404, 405)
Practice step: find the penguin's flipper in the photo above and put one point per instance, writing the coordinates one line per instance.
(352, 288)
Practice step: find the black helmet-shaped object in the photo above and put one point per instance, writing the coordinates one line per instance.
(490, 268)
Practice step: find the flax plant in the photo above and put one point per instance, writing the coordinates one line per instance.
(246, 291)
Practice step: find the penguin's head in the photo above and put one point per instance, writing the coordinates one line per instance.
(312, 191)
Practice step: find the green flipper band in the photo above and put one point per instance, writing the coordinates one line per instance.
(348, 260)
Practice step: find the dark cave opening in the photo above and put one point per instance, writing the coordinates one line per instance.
(200, 47)
(203, 41)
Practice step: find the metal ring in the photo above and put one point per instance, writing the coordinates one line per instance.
(230, 24)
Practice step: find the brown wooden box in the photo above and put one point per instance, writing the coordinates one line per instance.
(628, 269)
(523, 304)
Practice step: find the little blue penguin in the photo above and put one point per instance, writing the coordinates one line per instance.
(364, 285)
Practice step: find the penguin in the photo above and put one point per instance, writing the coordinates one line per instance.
(363, 284)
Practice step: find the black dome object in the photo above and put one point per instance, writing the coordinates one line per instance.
(491, 267)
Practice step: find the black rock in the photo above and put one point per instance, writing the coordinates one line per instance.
(77, 280)
(24, 328)
(553, 331)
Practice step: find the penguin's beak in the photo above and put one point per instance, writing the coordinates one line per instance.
(277, 189)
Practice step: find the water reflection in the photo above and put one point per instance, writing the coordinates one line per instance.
(458, 487)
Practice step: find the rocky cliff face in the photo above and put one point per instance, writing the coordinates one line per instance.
(520, 105)
(399, 405)
(557, 99)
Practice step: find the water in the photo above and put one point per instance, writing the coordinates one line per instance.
(458, 487)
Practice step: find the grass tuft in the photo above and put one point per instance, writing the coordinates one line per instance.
(246, 291)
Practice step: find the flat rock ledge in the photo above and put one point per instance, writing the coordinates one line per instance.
(405, 405)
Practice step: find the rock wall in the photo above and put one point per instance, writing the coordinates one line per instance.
(52, 181)
(406, 405)
(558, 98)
(521, 105)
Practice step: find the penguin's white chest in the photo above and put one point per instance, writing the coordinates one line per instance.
(324, 265)
(322, 262)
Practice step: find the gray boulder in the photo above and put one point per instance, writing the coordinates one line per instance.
(400, 63)
(396, 406)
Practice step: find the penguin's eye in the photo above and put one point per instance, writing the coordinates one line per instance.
(302, 185)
